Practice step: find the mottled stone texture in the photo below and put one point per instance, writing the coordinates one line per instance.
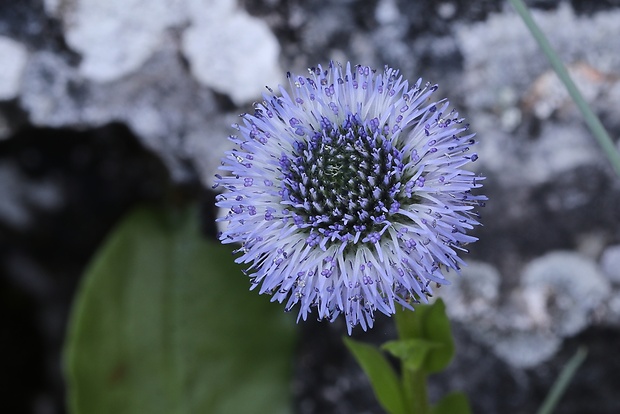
(104, 104)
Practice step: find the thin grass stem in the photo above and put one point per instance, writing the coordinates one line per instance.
(593, 122)
(560, 385)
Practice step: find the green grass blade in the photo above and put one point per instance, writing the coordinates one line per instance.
(562, 382)
(590, 117)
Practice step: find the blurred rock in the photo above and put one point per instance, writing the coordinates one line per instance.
(114, 38)
(610, 262)
(473, 294)
(490, 66)
(523, 348)
(160, 103)
(240, 69)
(144, 82)
(562, 290)
(23, 197)
(247, 63)
(561, 293)
(522, 71)
(548, 95)
(13, 56)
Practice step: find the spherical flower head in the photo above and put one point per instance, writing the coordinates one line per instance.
(347, 193)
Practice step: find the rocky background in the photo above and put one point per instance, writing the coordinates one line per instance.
(106, 104)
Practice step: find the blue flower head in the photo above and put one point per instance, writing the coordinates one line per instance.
(347, 193)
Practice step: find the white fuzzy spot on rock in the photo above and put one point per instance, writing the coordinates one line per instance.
(161, 104)
(115, 37)
(473, 294)
(610, 262)
(234, 54)
(13, 56)
(561, 294)
(228, 50)
(490, 68)
(561, 290)
(387, 12)
(525, 349)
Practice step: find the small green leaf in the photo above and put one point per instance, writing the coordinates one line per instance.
(384, 381)
(163, 323)
(437, 326)
(429, 323)
(412, 352)
(453, 403)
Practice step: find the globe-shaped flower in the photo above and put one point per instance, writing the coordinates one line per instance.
(348, 193)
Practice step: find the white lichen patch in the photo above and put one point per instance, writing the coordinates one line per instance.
(610, 263)
(234, 54)
(492, 70)
(13, 56)
(473, 294)
(562, 290)
(228, 50)
(561, 293)
(115, 37)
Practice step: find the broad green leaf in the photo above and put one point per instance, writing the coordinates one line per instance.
(412, 352)
(453, 403)
(429, 323)
(163, 323)
(385, 383)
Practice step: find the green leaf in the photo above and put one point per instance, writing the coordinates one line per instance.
(385, 383)
(412, 352)
(453, 403)
(429, 323)
(164, 323)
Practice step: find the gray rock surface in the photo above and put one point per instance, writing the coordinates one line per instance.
(14, 56)
(610, 262)
(23, 196)
(560, 294)
(250, 59)
(114, 38)
(161, 104)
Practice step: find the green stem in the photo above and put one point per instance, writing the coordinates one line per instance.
(562, 382)
(591, 119)
(416, 393)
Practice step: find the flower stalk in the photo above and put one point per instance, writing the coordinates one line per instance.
(416, 391)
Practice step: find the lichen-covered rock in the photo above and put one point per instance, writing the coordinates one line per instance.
(248, 63)
(13, 56)
(562, 290)
(228, 50)
(473, 295)
(610, 263)
(559, 296)
(115, 38)
(513, 86)
(159, 103)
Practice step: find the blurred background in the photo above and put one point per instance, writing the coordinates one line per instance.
(108, 104)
